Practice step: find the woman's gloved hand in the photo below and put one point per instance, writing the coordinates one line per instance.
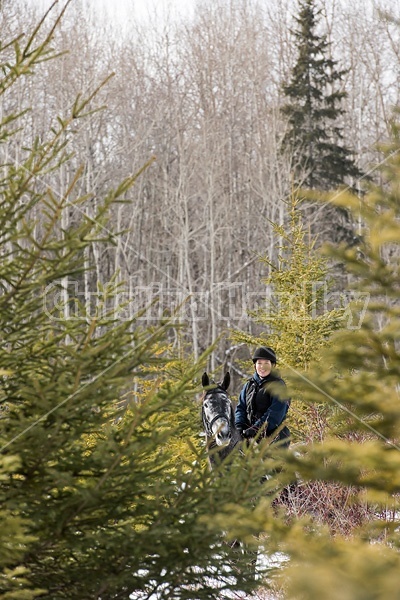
(250, 432)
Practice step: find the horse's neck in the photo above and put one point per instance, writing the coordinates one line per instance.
(217, 456)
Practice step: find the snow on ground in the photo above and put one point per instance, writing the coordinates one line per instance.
(264, 562)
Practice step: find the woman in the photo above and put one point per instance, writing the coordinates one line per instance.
(263, 401)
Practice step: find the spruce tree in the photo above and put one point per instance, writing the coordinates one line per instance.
(354, 374)
(95, 502)
(357, 376)
(313, 110)
(299, 315)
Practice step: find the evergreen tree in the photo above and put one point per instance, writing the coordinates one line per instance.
(313, 111)
(358, 376)
(95, 502)
(298, 318)
(354, 373)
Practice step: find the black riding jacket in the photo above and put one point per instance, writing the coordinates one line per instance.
(262, 401)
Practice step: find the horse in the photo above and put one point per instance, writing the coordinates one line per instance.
(218, 419)
(222, 436)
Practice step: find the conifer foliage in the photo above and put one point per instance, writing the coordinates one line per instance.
(347, 478)
(314, 93)
(299, 316)
(357, 376)
(94, 503)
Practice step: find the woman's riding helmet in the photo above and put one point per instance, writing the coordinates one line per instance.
(265, 353)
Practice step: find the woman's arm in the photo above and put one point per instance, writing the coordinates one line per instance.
(276, 413)
(241, 421)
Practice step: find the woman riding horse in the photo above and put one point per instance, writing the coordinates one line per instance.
(263, 401)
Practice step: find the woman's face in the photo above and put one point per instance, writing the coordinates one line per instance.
(263, 367)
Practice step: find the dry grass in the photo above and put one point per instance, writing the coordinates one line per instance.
(339, 507)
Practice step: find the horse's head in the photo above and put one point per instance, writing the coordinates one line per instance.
(217, 410)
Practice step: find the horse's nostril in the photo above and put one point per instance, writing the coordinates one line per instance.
(223, 438)
(221, 428)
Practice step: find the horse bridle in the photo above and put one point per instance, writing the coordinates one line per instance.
(208, 426)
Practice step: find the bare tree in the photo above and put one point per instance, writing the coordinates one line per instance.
(193, 106)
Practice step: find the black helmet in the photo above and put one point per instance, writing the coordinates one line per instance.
(265, 353)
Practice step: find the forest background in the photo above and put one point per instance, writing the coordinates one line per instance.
(143, 242)
(201, 99)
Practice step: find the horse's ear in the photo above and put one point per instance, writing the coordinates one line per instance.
(226, 381)
(205, 380)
